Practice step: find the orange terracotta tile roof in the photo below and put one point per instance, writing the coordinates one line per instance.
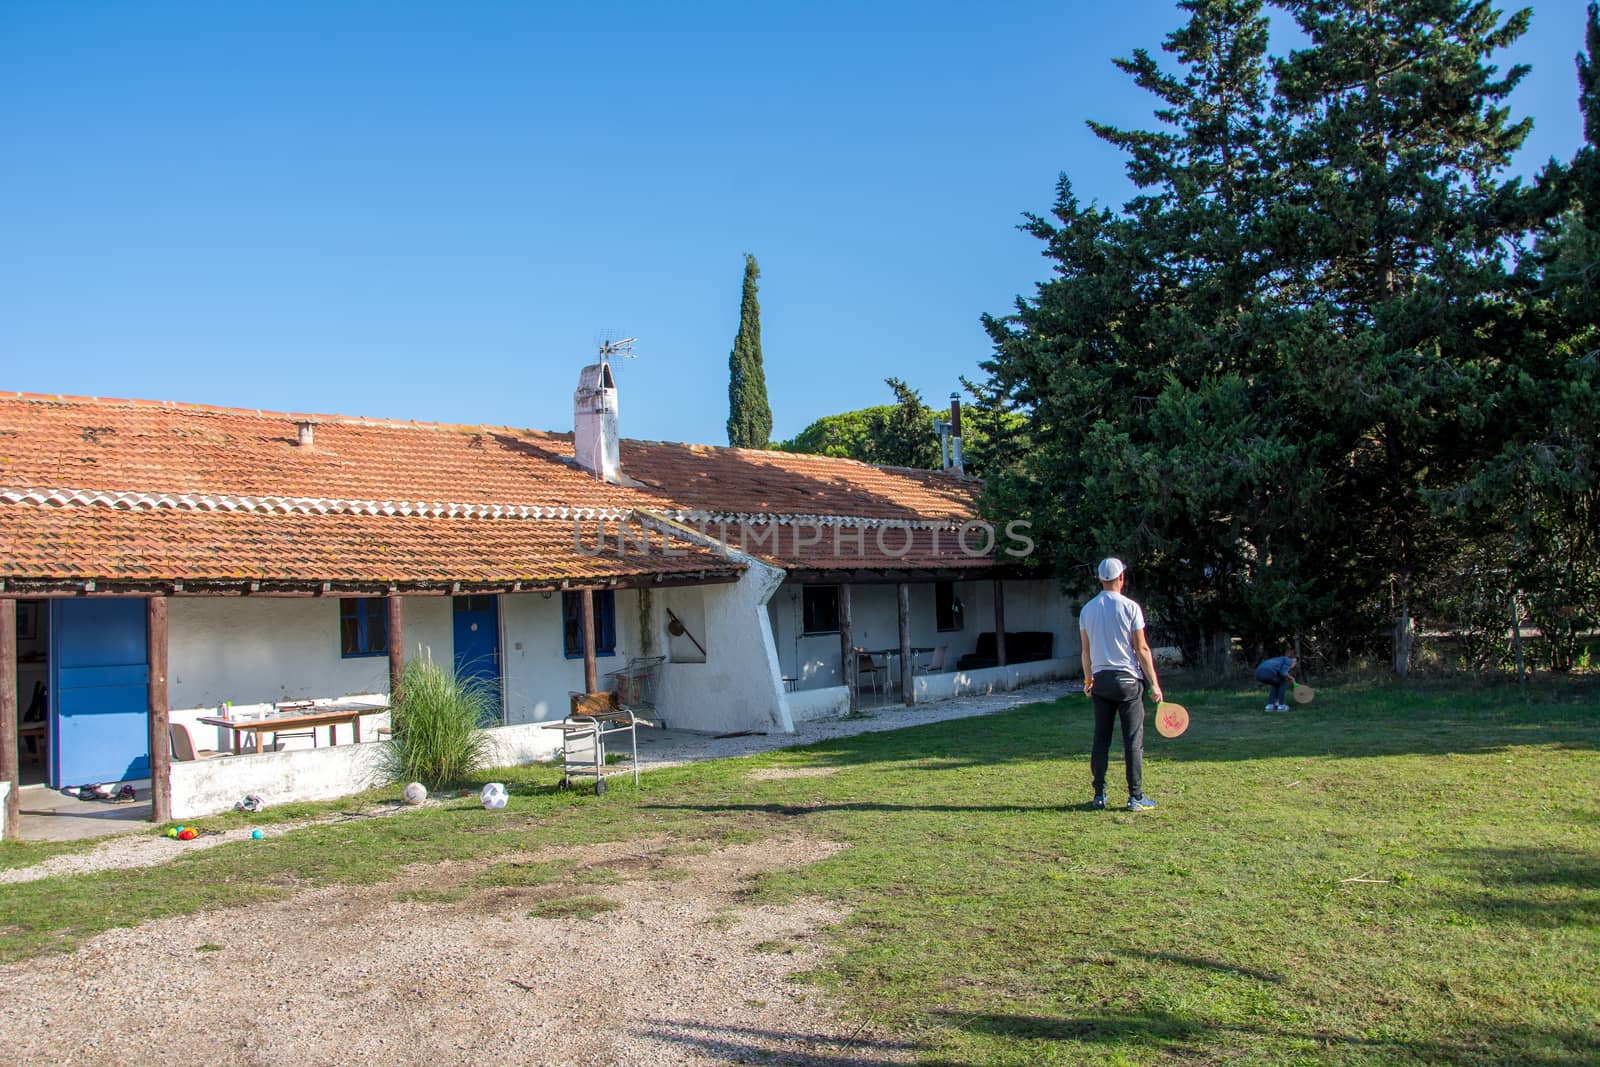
(85, 543)
(233, 484)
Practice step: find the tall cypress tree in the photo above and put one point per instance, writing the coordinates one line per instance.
(749, 416)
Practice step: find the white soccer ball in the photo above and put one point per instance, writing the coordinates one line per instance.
(493, 796)
(415, 793)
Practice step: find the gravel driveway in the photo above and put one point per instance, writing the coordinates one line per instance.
(682, 968)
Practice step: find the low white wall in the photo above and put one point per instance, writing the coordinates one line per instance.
(5, 791)
(514, 746)
(206, 787)
(931, 687)
(809, 705)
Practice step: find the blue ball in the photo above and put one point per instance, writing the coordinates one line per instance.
(257, 834)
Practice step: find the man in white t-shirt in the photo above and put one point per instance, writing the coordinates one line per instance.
(1117, 668)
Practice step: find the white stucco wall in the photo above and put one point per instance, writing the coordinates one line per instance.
(253, 652)
(538, 676)
(205, 787)
(257, 650)
(5, 791)
(739, 686)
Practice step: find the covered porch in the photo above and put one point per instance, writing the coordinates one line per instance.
(853, 639)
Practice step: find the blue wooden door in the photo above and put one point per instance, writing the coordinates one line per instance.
(477, 645)
(99, 691)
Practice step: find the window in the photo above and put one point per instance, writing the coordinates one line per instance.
(819, 609)
(946, 607)
(363, 626)
(605, 624)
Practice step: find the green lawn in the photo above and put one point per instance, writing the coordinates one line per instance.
(997, 920)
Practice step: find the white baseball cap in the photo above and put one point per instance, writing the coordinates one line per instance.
(1111, 569)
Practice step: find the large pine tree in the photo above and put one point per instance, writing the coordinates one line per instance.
(1391, 235)
(1258, 376)
(749, 416)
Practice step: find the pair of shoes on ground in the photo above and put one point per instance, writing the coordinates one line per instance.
(1277, 707)
(1138, 803)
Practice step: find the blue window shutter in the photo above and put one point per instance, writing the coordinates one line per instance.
(606, 624)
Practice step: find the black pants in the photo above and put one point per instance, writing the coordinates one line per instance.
(1118, 696)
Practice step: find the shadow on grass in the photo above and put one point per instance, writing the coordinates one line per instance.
(857, 805)
(1183, 1037)
(1539, 887)
(738, 1044)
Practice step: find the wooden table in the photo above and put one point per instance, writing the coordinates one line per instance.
(329, 715)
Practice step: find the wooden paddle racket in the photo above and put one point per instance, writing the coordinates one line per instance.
(1171, 719)
(1304, 694)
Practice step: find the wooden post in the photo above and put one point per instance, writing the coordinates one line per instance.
(591, 672)
(1516, 635)
(847, 655)
(1000, 622)
(908, 681)
(160, 744)
(8, 715)
(397, 646)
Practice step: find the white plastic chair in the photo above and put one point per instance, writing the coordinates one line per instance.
(936, 661)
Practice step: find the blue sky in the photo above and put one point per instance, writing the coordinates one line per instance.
(435, 210)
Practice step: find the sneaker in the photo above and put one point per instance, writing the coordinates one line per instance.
(1098, 803)
(1283, 707)
(1270, 708)
(1140, 803)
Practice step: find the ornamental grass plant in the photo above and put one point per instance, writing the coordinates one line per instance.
(435, 732)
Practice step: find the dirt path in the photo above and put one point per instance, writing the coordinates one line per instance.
(684, 970)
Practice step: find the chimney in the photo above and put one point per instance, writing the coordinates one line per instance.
(594, 411)
(305, 428)
(956, 461)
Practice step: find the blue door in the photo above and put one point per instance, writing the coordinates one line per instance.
(477, 644)
(99, 691)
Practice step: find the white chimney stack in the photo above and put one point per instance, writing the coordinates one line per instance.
(594, 410)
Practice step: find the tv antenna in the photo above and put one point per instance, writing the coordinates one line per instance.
(623, 348)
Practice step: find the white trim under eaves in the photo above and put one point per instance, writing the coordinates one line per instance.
(122, 500)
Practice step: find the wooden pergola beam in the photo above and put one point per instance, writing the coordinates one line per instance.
(397, 645)
(58, 588)
(8, 716)
(591, 670)
(847, 659)
(1000, 622)
(160, 744)
(908, 681)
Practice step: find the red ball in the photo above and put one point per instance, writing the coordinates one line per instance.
(187, 835)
